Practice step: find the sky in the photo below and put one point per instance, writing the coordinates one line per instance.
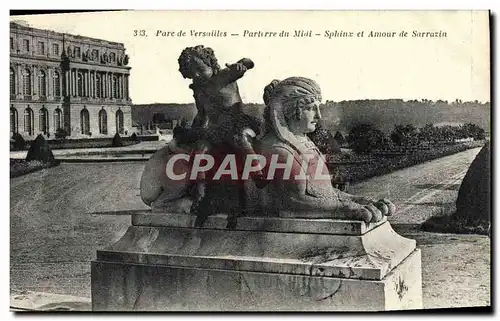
(346, 68)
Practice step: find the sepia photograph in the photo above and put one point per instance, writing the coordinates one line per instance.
(250, 161)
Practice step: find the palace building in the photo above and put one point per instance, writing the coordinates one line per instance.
(60, 81)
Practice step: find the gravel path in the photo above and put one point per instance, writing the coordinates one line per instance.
(54, 237)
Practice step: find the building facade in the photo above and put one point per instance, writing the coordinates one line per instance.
(67, 82)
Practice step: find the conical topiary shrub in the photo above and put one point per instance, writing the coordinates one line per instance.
(40, 150)
(18, 142)
(117, 141)
(339, 138)
(474, 196)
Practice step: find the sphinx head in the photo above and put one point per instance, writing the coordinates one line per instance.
(296, 100)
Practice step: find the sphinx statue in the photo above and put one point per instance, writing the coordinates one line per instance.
(310, 247)
(298, 182)
(304, 189)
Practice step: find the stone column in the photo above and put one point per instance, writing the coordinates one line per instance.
(85, 84)
(73, 85)
(34, 81)
(76, 81)
(50, 82)
(120, 86)
(110, 85)
(96, 75)
(70, 82)
(77, 71)
(91, 74)
(103, 85)
(20, 79)
(127, 87)
(125, 84)
(67, 80)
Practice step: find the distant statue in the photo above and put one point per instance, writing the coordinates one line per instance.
(86, 55)
(305, 191)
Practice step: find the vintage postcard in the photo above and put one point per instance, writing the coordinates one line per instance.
(250, 161)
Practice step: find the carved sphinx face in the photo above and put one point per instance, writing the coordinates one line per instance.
(306, 119)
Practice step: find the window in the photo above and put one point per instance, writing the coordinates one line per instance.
(77, 52)
(12, 81)
(84, 122)
(28, 121)
(119, 121)
(13, 120)
(80, 84)
(26, 82)
(41, 48)
(57, 119)
(42, 83)
(56, 84)
(103, 122)
(55, 49)
(26, 45)
(44, 121)
(11, 43)
(112, 56)
(95, 54)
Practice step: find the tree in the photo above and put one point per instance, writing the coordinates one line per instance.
(184, 123)
(159, 118)
(61, 134)
(404, 135)
(364, 138)
(323, 139)
(427, 133)
(474, 131)
(339, 138)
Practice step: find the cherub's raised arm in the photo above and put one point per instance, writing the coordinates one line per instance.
(231, 73)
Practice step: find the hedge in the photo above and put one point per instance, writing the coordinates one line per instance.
(379, 165)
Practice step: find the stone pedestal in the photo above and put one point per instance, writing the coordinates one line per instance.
(162, 263)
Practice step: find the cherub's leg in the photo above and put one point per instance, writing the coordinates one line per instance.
(199, 208)
(243, 143)
(232, 217)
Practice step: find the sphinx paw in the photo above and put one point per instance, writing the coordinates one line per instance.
(385, 203)
(360, 213)
(376, 213)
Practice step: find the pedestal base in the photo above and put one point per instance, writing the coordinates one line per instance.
(260, 268)
(145, 287)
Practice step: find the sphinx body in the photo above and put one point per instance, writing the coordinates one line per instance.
(293, 112)
(302, 188)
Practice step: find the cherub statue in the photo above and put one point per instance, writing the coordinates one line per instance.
(220, 121)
